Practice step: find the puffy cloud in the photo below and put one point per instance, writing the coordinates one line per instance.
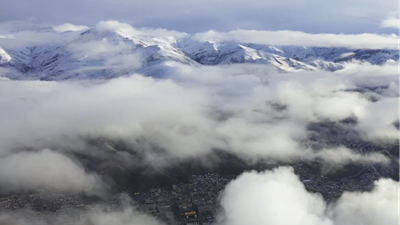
(384, 130)
(278, 197)
(275, 198)
(47, 170)
(390, 23)
(253, 140)
(69, 27)
(127, 108)
(248, 110)
(373, 208)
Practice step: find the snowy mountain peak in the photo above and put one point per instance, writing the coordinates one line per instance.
(4, 56)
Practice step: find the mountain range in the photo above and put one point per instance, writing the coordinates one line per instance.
(106, 53)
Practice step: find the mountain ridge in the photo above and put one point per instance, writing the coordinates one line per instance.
(106, 53)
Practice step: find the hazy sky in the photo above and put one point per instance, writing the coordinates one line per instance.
(312, 16)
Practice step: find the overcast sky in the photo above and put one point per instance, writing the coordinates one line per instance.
(192, 16)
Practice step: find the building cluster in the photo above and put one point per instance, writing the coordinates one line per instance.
(196, 201)
(332, 189)
(186, 203)
(44, 202)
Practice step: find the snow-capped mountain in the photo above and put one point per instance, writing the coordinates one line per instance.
(91, 54)
(106, 53)
(285, 57)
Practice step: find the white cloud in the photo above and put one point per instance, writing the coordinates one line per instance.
(134, 32)
(69, 27)
(373, 208)
(121, 108)
(35, 33)
(47, 170)
(298, 38)
(256, 139)
(278, 197)
(274, 198)
(183, 114)
(392, 21)
(335, 158)
(384, 129)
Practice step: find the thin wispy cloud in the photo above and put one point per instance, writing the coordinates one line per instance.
(313, 16)
(392, 21)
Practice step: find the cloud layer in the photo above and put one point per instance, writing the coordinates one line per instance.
(251, 111)
(23, 33)
(298, 38)
(248, 110)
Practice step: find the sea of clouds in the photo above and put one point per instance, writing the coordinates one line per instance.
(252, 111)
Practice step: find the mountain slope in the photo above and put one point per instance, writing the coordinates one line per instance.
(91, 54)
(107, 53)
